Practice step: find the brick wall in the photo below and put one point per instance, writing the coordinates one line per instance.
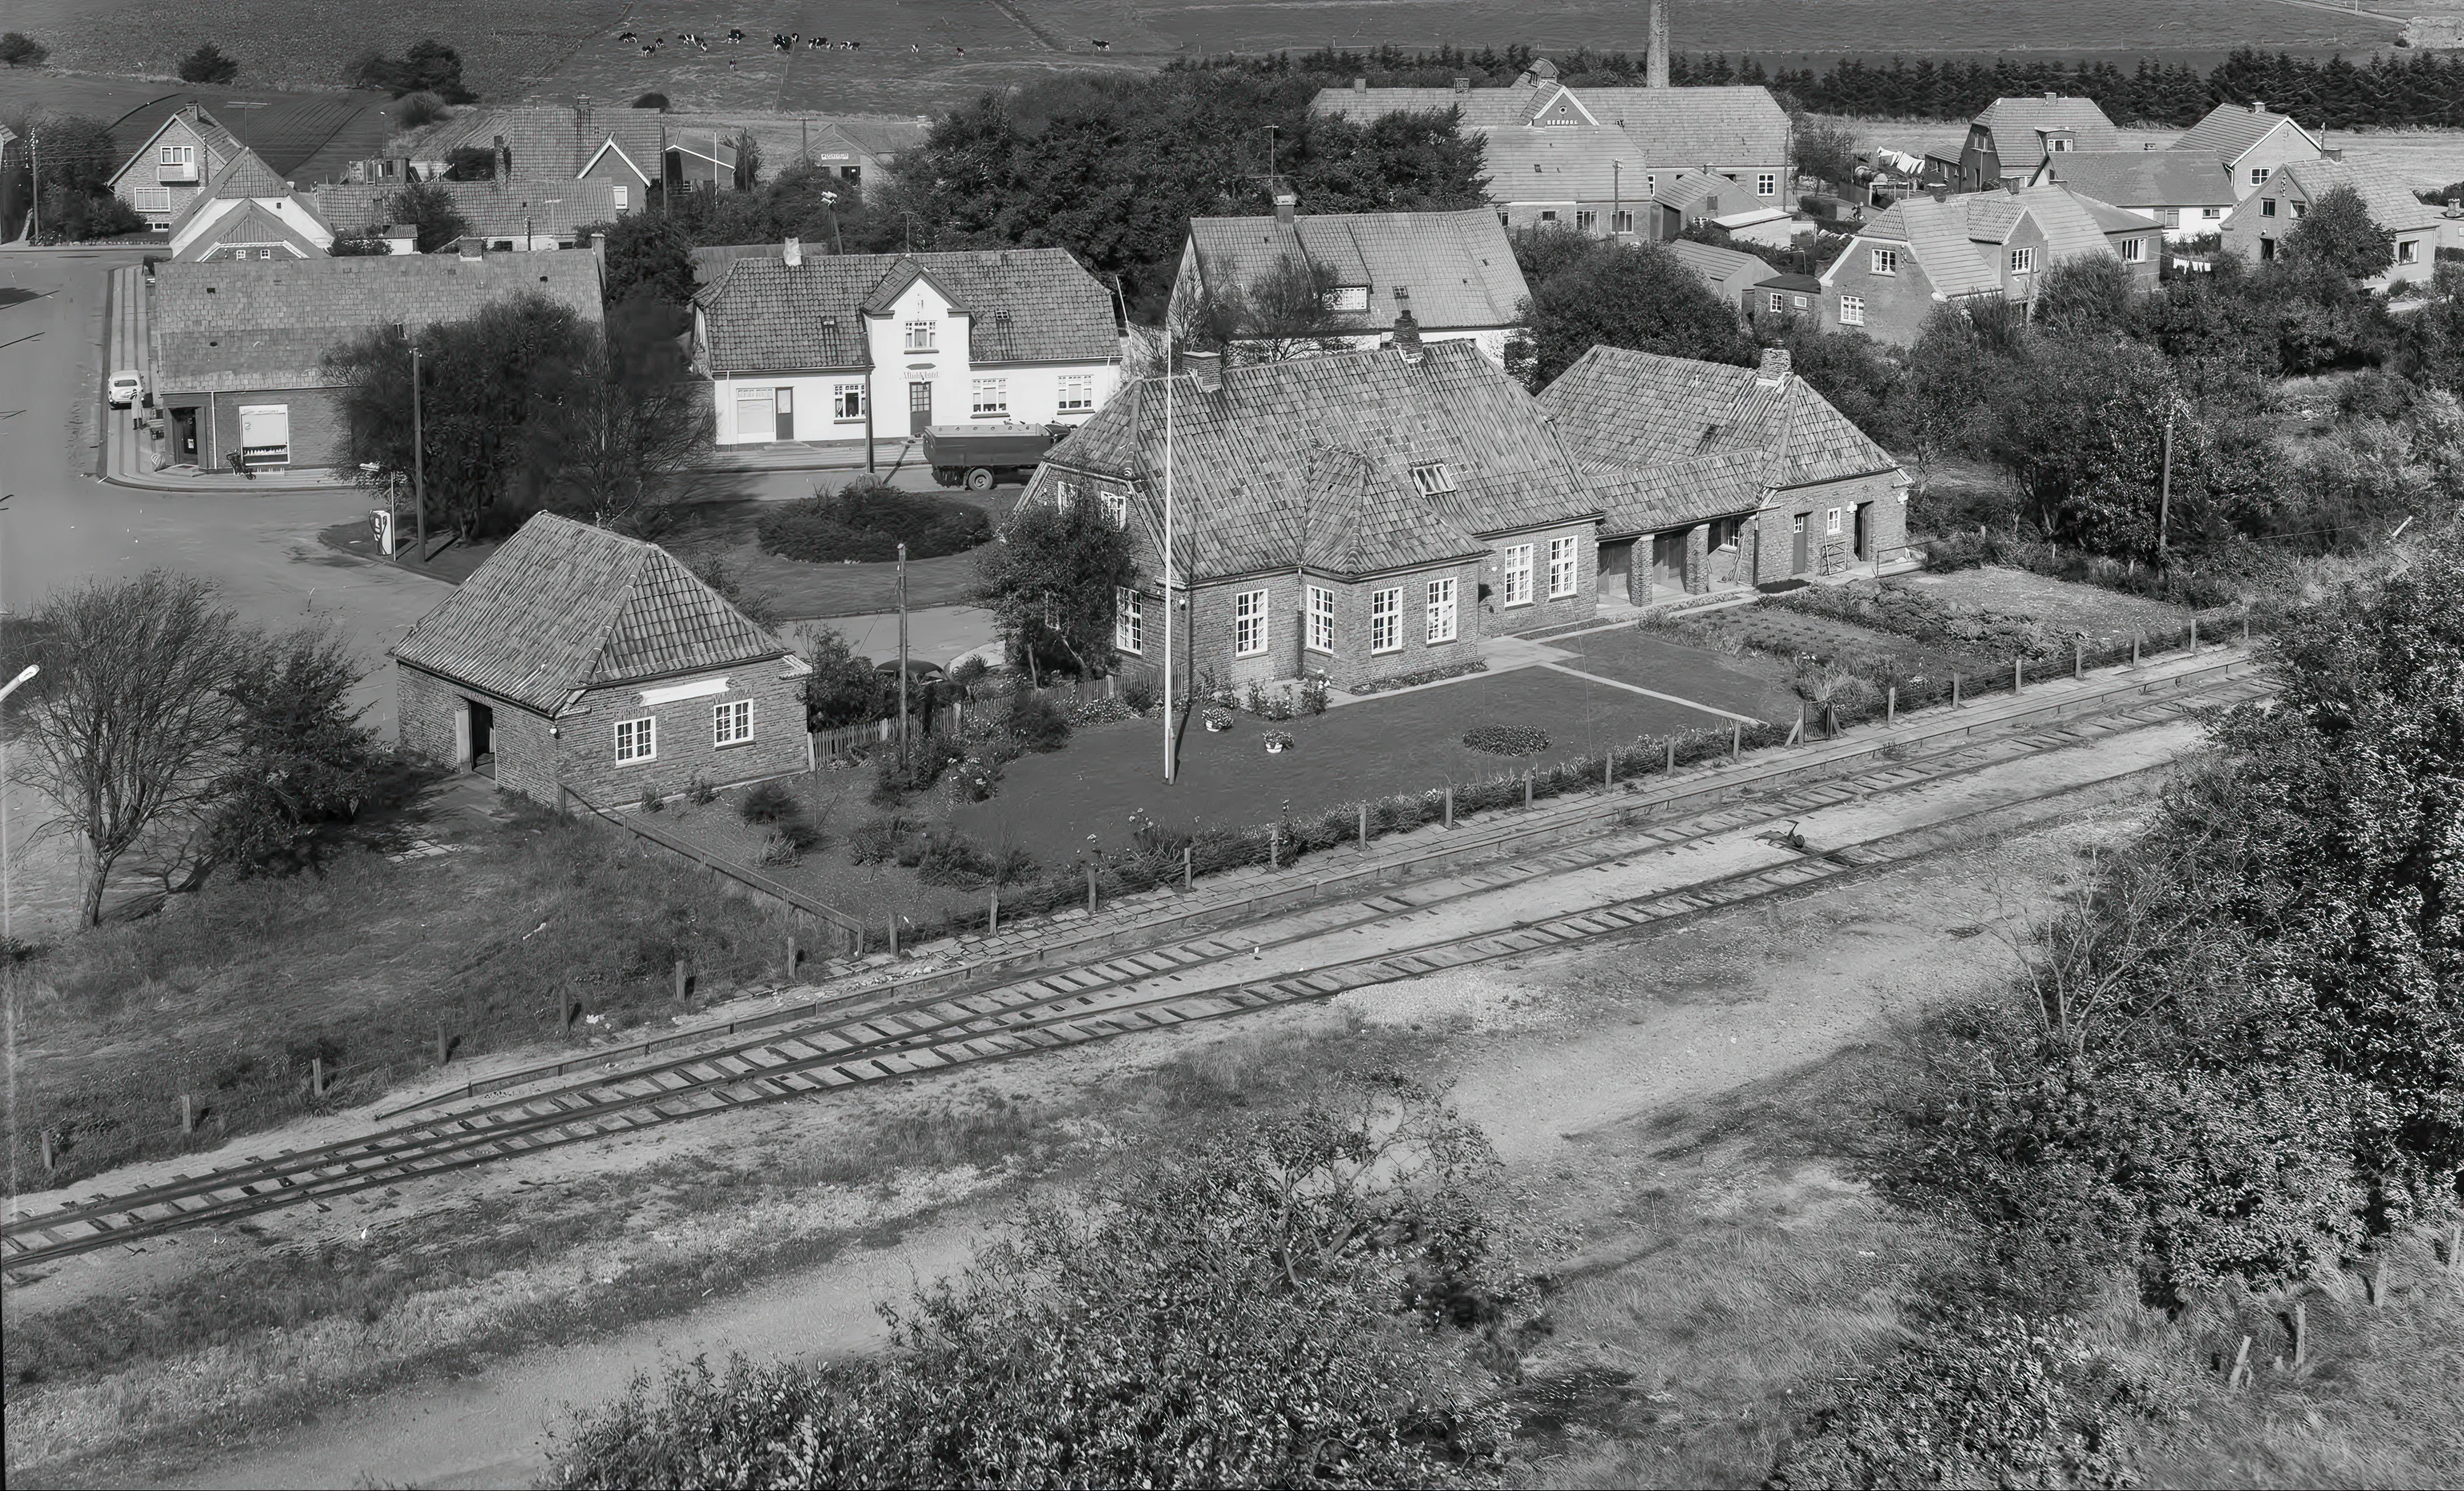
(586, 753)
(319, 435)
(1887, 514)
(1502, 620)
(1896, 305)
(1210, 644)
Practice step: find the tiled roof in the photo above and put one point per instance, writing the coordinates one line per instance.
(268, 324)
(245, 220)
(2142, 178)
(562, 606)
(1028, 305)
(1944, 236)
(2072, 224)
(1309, 460)
(2391, 203)
(218, 140)
(2019, 125)
(494, 209)
(1457, 267)
(1685, 441)
(1692, 189)
(2230, 129)
(243, 175)
(1675, 128)
(1721, 267)
(1576, 162)
(546, 140)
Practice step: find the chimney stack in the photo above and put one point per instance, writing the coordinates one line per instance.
(793, 251)
(1407, 337)
(582, 114)
(1656, 68)
(1205, 369)
(1775, 368)
(1463, 85)
(504, 160)
(1360, 85)
(2257, 107)
(1286, 203)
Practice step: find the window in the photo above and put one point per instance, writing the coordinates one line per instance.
(2134, 251)
(637, 740)
(1777, 303)
(2300, 210)
(920, 335)
(1886, 261)
(1585, 220)
(1432, 478)
(1321, 619)
(1385, 620)
(1129, 620)
(1518, 575)
(1548, 214)
(1441, 611)
(731, 723)
(846, 402)
(1563, 555)
(1766, 184)
(1249, 623)
(1830, 521)
(1622, 222)
(1799, 301)
(1650, 186)
(1077, 394)
(1348, 297)
(1852, 310)
(1064, 493)
(854, 173)
(623, 196)
(179, 155)
(2209, 214)
(2059, 143)
(153, 199)
(2172, 217)
(2023, 261)
(992, 399)
(1116, 508)
(1500, 217)
(2267, 207)
(2259, 176)
(2409, 252)
(755, 416)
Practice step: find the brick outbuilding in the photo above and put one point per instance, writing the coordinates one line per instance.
(578, 658)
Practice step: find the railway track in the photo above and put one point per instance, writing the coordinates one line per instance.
(880, 1035)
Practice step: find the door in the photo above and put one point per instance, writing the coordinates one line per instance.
(784, 403)
(1864, 530)
(183, 437)
(483, 739)
(919, 407)
(1800, 555)
(1669, 560)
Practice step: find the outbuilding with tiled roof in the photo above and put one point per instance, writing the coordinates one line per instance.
(576, 660)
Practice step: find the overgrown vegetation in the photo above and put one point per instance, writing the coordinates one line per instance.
(1051, 586)
(867, 521)
(428, 66)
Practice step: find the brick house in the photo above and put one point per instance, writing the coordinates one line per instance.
(2189, 195)
(1718, 477)
(2415, 228)
(189, 149)
(1455, 271)
(2251, 143)
(1356, 516)
(238, 346)
(575, 657)
(2012, 137)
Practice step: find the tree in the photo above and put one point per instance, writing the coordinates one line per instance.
(1852, 372)
(1406, 161)
(1825, 149)
(653, 100)
(1544, 249)
(2338, 235)
(208, 64)
(363, 245)
(648, 255)
(2093, 293)
(429, 209)
(1633, 296)
(430, 66)
(129, 717)
(844, 688)
(19, 50)
(626, 417)
(299, 759)
(1051, 580)
(1287, 313)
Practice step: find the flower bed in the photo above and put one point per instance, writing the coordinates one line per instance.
(866, 523)
(1424, 675)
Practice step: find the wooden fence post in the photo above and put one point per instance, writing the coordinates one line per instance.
(2194, 636)
(2018, 674)
(445, 1047)
(2245, 625)
(992, 917)
(1188, 867)
(1891, 705)
(1274, 846)
(791, 957)
(1955, 691)
(2301, 1333)
(1091, 887)
(1364, 825)
(317, 1069)
(1527, 789)
(1450, 804)
(48, 1165)
(1668, 766)
(2134, 651)
(1608, 770)
(1736, 740)
(680, 981)
(187, 1113)
(2239, 1372)
(2378, 1280)
(893, 934)
(2079, 659)
(1802, 716)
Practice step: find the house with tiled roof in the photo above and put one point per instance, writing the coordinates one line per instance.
(1713, 477)
(238, 347)
(2259, 227)
(1729, 274)
(1455, 271)
(1357, 515)
(247, 211)
(1739, 133)
(803, 346)
(2012, 137)
(510, 216)
(536, 148)
(1925, 251)
(2251, 143)
(576, 659)
(187, 150)
(2188, 194)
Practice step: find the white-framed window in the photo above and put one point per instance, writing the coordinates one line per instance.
(1321, 619)
(1830, 521)
(991, 399)
(757, 415)
(1063, 494)
(2023, 261)
(1852, 310)
(1801, 301)
(2301, 208)
(1622, 222)
(1441, 611)
(2172, 217)
(731, 722)
(179, 155)
(623, 196)
(1518, 574)
(1886, 261)
(920, 335)
(2060, 144)
(1129, 619)
(1564, 556)
(1766, 184)
(2259, 176)
(2134, 251)
(637, 740)
(1116, 508)
(1077, 394)
(1776, 304)
(1432, 478)
(153, 199)
(1348, 297)
(2409, 252)
(2267, 207)
(1386, 620)
(1585, 219)
(1249, 623)
(846, 402)
(1548, 214)
(2209, 214)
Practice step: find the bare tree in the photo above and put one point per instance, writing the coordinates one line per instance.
(130, 720)
(1287, 312)
(627, 426)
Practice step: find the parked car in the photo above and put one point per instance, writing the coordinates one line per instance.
(126, 389)
(976, 457)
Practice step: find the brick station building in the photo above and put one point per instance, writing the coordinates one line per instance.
(577, 658)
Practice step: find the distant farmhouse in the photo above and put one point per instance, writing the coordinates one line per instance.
(2012, 137)
(2250, 143)
(1993, 246)
(2415, 228)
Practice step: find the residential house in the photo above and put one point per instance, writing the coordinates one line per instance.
(803, 346)
(1455, 273)
(1787, 296)
(1589, 178)
(1358, 516)
(14, 194)
(1731, 276)
(239, 347)
(538, 148)
(510, 216)
(2014, 136)
(1718, 477)
(575, 659)
(1924, 252)
(2189, 195)
(2414, 228)
(2250, 143)
(189, 148)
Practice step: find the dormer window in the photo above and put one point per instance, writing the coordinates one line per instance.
(2059, 143)
(1348, 297)
(2023, 261)
(1432, 478)
(1886, 261)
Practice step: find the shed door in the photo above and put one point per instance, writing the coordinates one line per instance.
(1801, 554)
(785, 405)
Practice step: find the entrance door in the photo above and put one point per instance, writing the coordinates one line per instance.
(784, 401)
(1669, 560)
(919, 407)
(1864, 530)
(183, 436)
(1801, 554)
(1616, 559)
(483, 739)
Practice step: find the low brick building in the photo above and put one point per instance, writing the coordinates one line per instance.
(575, 657)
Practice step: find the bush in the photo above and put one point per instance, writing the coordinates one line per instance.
(1139, 694)
(884, 838)
(1506, 740)
(770, 802)
(653, 100)
(430, 66)
(953, 859)
(926, 759)
(867, 521)
(19, 50)
(1036, 723)
(420, 109)
(208, 64)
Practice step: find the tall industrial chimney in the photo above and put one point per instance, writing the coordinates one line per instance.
(1657, 74)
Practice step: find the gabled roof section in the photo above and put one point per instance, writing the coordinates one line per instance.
(2141, 178)
(243, 175)
(249, 220)
(761, 314)
(1692, 189)
(1357, 518)
(218, 141)
(2391, 203)
(1567, 162)
(562, 606)
(608, 146)
(1943, 234)
(1675, 127)
(1458, 268)
(1723, 267)
(1556, 106)
(2073, 227)
(903, 273)
(2230, 131)
(2021, 125)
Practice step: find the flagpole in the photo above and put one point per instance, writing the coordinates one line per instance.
(1168, 371)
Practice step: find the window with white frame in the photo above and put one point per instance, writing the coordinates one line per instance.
(637, 740)
(846, 402)
(1548, 214)
(2172, 217)
(2409, 252)
(757, 414)
(1518, 574)
(1063, 494)
(1386, 620)
(2259, 176)
(1441, 611)
(1348, 297)
(179, 155)
(1830, 521)
(1622, 222)
(1852, 310)
(731, 723)
(1321, 619)
(2209, 214)
(1077, 394)
(1564, 556)
(1432, 478)
(1801, 301)
(1777, 305)
(920, 335)
(2300, 210)
(1585, 219)
(1886, 261)
(623, 198)
(1116, 508)
(153, 199)
(1129, 619)
(2267, 207)
(1766, 184)
(1248, 623)
(992, 398)
(2023, 261)
(2134, 251)
(2060, 144)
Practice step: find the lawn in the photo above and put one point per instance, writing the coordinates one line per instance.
(2105, 617)
(799, 592)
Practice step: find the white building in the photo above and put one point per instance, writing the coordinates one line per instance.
(810, 347)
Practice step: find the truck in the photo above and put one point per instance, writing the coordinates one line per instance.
(976, 457)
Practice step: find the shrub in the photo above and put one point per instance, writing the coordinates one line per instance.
(700, 792)
(949, 857)
(969, 669)
(1313, 691)
(883, 839)
(208, 64)
(1139, 694)
(430, 66)
(770, 802)
(19, 50)
(1506, 740)
(925, 760)
(1036, 723)
(867, 521)
(653, 100)
(420, 109)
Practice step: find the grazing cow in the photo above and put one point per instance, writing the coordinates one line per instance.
(734, 33)
(627, 35)
(1103, 45)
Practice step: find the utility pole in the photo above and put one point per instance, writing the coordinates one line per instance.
(418, 460)
(1617, 195)
(34, 158)
(8, 904)
(2165, 488)
(1270, 162)
(1169, 371)
(902, 660)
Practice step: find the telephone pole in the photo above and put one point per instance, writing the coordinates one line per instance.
(902, 661)
(418, 460)
(1169, 371)
(2165, 488)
